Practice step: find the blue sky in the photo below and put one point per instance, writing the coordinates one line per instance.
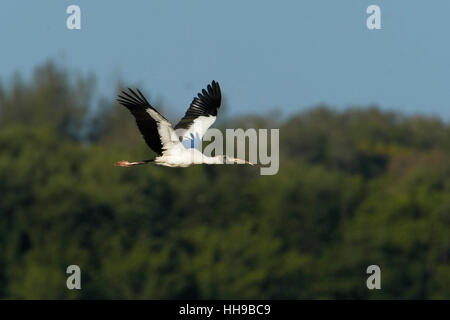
(288, 55)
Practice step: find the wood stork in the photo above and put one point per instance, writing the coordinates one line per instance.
(174, 146)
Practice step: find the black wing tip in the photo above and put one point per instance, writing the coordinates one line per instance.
(215, 84)
(131, 98)
(212, 90)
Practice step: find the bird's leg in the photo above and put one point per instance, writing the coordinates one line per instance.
(125, 163)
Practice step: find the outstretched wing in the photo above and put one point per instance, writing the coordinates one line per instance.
(200, 116)
(156, 130)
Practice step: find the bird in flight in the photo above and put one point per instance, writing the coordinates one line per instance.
(174, 146)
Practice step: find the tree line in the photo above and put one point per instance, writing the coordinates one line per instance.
(355, 187)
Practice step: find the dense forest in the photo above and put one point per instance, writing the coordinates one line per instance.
(355, 187)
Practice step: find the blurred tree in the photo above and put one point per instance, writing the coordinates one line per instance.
(355, 187)
(52, 98)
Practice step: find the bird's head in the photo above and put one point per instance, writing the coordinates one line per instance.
(230, 160)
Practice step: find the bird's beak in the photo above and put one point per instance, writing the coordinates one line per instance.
(240, 161)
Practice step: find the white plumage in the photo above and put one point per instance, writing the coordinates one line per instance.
(176, 147)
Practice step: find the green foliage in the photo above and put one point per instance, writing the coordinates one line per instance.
(355, 188)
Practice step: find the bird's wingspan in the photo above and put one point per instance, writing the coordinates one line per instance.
(156, 130)
(200, 116)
